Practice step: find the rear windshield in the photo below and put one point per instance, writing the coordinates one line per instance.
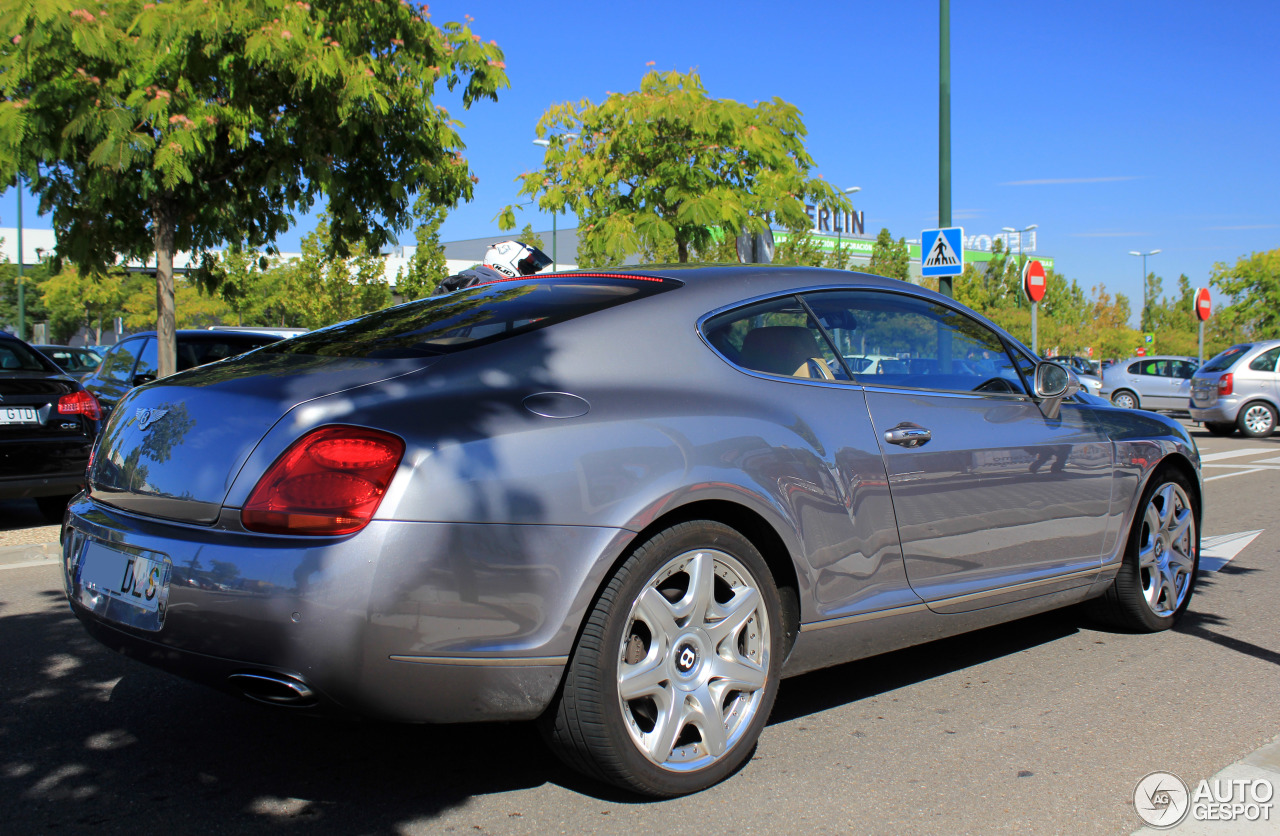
(19, 357)
(1224, 360)
(470, 317)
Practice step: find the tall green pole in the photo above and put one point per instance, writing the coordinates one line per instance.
(944, 127)
(22, 301)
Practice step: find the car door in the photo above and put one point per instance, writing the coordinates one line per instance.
(114, 377)
(817, 456)
(1263, 368)
(1181, 372)
(994, 501)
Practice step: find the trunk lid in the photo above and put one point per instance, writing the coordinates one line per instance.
(173, 447)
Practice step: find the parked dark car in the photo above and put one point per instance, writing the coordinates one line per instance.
(626, 503)
(132, 362)
(74, 361)
(47, 426)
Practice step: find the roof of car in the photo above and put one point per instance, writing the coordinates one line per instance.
(195, 333)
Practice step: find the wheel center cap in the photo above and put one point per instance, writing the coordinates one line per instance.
(1159, 548)
(686, 657)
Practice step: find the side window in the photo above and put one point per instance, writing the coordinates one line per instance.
(1184, 370)
(900, 340)
(118, 363)
(1136, 368)
(775, 337)
(148, 362)
(1266, 361)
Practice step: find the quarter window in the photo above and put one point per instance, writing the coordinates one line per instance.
(1266, 361)
(777, 337)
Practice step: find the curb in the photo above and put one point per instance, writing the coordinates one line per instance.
(32, 554)
(1262, 764)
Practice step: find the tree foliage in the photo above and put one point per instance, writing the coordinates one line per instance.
(667, 163)
(428, 266)
(155, 127)
(1250, 289)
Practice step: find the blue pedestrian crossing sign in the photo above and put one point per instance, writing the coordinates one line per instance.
(942, 252)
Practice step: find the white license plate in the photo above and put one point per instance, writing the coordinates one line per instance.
(137, 580)
(18, 415)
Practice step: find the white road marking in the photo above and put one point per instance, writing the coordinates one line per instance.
(1239, 473)
(1217, 551)
(1275, 460)
(1235, 454)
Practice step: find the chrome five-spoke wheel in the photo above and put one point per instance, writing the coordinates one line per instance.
(1167, 550)
(675, 672)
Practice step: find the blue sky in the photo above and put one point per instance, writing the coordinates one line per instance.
(1114, 126)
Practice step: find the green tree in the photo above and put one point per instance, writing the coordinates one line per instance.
(32, 276)
(156, 127)
(194, 307)
(533, 239)
(428, 266)
(1250, 291)
(667, 163)
(76, 300)
(890, 258)
(328, 289)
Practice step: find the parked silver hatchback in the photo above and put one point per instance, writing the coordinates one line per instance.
(1159, 382)
(1239, 389)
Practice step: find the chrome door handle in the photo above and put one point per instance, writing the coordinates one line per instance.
(908, 435)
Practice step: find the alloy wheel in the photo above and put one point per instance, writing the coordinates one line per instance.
(694, 661)
(1166, 549)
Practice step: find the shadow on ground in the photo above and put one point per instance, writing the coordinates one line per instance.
(95, 742)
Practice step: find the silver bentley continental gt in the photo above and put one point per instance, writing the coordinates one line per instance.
(625, 504)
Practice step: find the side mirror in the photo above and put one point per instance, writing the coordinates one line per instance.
(1053, 384)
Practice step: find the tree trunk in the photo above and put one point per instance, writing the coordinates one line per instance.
(682, 248)
(166, 340)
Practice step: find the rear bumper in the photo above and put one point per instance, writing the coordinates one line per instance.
(1223, 410)
(35, 467)
(416, 622)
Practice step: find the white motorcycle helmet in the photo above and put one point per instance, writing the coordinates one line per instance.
(513, 259)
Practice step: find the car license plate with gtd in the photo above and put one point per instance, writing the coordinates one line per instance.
(136, 582)
(18, 415)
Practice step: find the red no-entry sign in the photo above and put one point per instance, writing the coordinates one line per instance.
(1203, 305)
(1033, 280)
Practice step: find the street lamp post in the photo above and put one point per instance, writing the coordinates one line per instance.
(1035, 306)
(839, 227)
(555, 265)
(1146, 299)
(22, 302)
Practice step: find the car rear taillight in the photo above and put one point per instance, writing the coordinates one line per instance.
(1224, 384)
(80, 403)
(328, 482)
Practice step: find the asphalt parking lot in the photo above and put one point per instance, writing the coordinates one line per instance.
(1045, 725)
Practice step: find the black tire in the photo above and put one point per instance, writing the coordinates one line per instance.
(1136, 600)
(1126, 399)
(1220, 428)
(1257, 419)
(53, 507)
(598, 732)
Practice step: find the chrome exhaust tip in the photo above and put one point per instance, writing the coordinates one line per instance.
(273, 688)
